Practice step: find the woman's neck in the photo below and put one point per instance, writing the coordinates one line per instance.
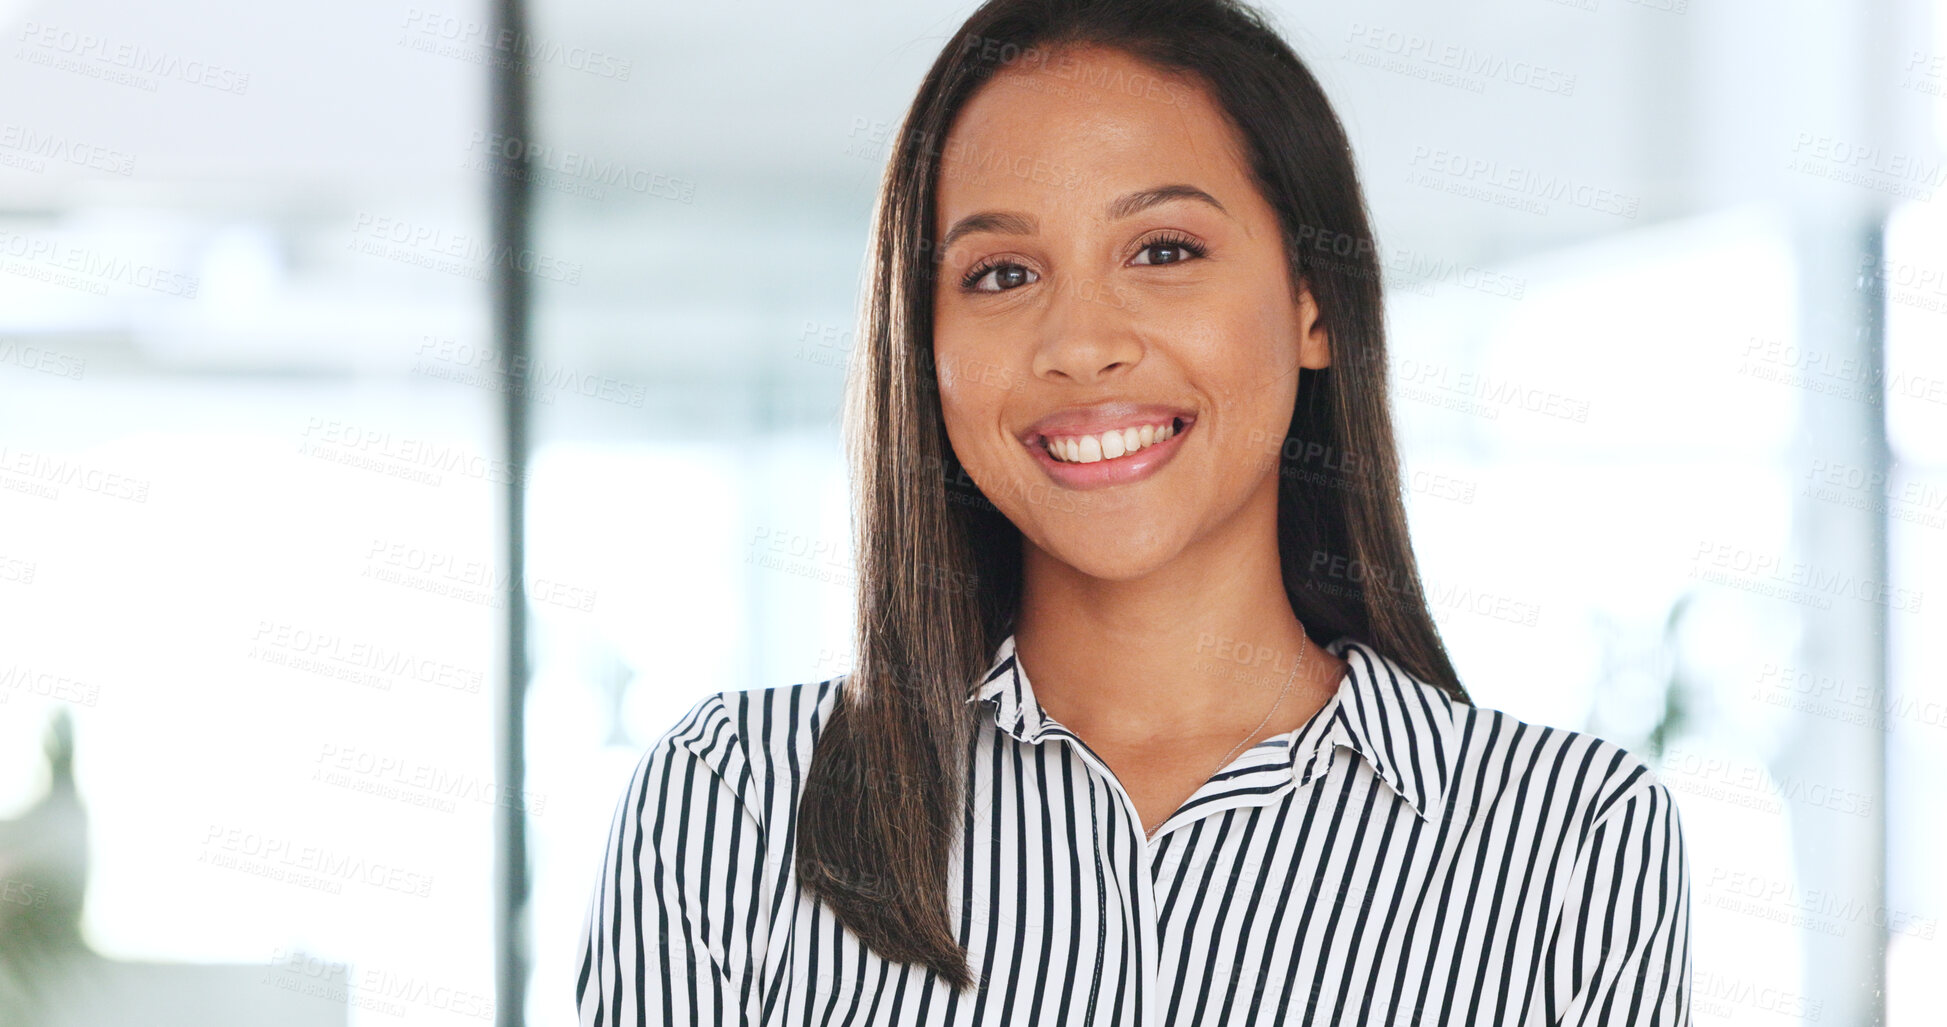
(1198, 648)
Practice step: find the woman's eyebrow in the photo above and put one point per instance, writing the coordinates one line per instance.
(1137, 202)
(1004, 222)
(1127, 205)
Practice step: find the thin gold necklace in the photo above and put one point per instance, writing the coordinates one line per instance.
(1150, 831)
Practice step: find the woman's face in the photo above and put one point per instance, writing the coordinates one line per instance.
(1107, 265)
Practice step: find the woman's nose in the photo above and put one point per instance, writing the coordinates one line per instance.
(1086, 332)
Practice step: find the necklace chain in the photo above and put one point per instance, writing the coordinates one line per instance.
(1248, 735)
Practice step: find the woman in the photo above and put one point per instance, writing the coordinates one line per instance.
(1124, 315)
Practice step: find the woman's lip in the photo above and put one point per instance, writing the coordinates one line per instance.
(1122, 470)
(1182, 422)
(1100, 417)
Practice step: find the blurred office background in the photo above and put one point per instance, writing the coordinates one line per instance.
(1668, 310)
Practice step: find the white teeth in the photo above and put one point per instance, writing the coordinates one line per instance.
(1088, 449)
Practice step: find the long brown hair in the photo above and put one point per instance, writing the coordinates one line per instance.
(940, 567)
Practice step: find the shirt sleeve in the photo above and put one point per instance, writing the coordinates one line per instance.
(675, 931)
(1621, 950)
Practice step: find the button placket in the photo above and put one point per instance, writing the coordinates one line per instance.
(1146, 899)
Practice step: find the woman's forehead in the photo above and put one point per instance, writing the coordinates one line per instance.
(1030, 137)
(1107, 97)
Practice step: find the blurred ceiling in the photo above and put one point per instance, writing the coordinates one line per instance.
(764, 118)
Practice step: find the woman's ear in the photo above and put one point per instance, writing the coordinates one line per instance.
(1314, 342)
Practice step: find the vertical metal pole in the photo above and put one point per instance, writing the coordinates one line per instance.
(1842, 848)
(509, 196)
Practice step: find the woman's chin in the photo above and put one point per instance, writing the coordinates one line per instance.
(1110, 559)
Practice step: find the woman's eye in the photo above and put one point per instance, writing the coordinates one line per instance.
(1170, 251)
(1006, 276)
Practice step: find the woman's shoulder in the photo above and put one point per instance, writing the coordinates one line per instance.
(1510, 764)
(1487, 761)
(758, 741)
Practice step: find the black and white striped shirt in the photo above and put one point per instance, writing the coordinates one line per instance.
(1400, 859)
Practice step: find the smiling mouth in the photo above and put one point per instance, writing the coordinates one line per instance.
(1114, 444)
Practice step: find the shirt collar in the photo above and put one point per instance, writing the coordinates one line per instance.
(1401, 726)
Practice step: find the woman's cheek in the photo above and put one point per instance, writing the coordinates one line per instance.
(963, 419)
